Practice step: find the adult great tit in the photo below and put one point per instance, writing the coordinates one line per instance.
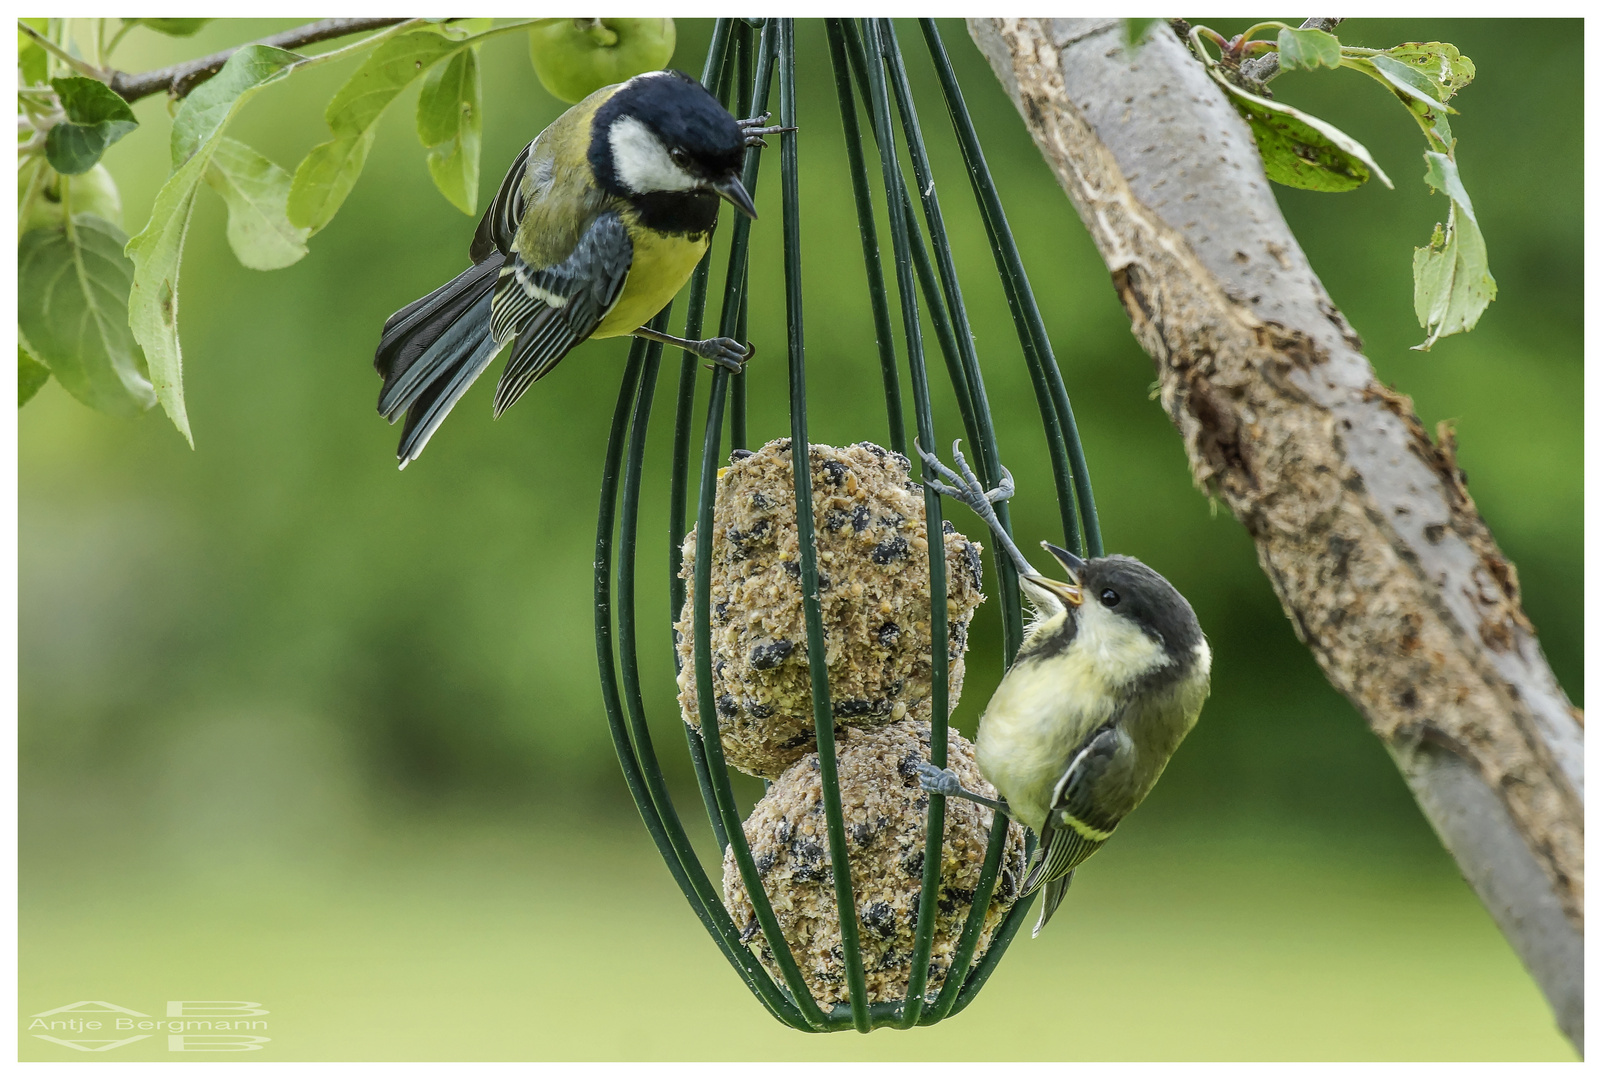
(599, 222)
(1109, 679)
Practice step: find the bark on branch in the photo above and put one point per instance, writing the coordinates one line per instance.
(1266, 67)
(1361, 520)
(180, 79)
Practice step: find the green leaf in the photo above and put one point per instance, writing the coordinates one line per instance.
(172, 27)
(329, 172)
(153, 305)
(1135, 31)
(96, 118)
(90, 101)
(449, 123)
(31, 376)
(72, 308)
(1302, 151)
(325, 178)
(1440, 173)
(1308, 49)
(1408, 81)
(213, 103)
(1446, 70)
(158, 250)
(1415, 93)
(257, 193)
(1452, 282)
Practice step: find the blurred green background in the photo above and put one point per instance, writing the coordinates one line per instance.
(301, 729)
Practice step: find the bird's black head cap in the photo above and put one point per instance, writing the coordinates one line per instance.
(680, 112)
(1130, 588)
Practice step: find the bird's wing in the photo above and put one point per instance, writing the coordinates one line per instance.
(1074, 826)
(498, 227)
(549, 310)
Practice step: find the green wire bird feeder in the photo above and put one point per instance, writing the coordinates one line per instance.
(744, 57)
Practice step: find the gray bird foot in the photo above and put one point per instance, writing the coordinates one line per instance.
(967, 488)
(753, 129)
(722, 351)
(725, 353)
(940, 781)
(945, 782)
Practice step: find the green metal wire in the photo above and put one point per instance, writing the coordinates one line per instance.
(683, 426)
(743, 84)
(644, 777)
(734, 279)
(710, 735)
(1068, 461)
(883, 335)
(961, 364)
(742, 69)
(801, 472)
(986, 449)
(939, 630)
(973, 925)
(692, 877)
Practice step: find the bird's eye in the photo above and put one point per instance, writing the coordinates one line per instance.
(1109, 598)
(679, 155)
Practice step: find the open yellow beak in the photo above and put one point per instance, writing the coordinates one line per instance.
(1068, 594)
(1069, 591)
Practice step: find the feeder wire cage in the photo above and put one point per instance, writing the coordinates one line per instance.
(742, 62)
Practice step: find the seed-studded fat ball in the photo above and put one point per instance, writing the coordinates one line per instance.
(873, 574)
(884, 809)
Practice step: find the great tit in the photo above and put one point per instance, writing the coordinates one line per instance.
(599, 222)
(1109, 679)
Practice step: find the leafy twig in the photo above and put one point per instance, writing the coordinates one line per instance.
(180, 79)
(1265, 68)
(80, 66)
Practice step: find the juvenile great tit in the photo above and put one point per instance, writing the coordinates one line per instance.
(600, 221)
(1109, 679)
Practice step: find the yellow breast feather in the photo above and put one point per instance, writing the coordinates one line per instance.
(662, 264)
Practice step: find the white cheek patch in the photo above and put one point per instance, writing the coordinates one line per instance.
(641, 161)
(1116, 648)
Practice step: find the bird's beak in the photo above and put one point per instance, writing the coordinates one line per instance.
(731, 189)
(1068, 560)
(1068, 591)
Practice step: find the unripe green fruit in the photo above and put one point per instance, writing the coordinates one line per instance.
(93, 192)
(576, 57)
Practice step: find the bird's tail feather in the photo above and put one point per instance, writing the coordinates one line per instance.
(1050, 896)
(431, 406)
(430, 352)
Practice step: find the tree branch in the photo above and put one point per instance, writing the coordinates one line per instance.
(180, 79)
(1361, 521)
(1265, 67)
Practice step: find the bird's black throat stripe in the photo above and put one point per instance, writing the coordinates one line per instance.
(676, 213)
(1045, 646)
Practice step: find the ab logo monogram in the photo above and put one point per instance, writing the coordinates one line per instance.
(95, 1027)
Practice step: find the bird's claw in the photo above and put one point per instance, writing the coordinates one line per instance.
(726, 353)
(966, 488)
(752, 127)
(939, 781)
